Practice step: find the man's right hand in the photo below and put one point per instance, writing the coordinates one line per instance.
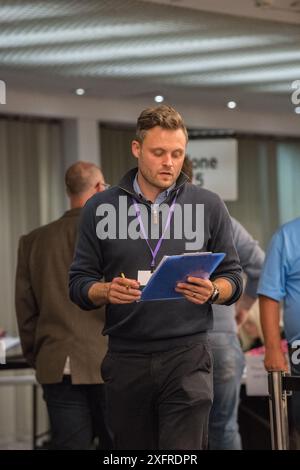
(275, 360)
(119, 291)
(123, 291)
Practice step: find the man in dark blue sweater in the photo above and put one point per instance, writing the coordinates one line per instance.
(158, 367)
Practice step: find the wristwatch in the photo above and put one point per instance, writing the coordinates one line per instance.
(215, 294)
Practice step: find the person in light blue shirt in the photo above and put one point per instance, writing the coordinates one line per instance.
(280, 281)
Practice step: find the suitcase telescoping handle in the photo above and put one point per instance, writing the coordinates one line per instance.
(279, 384)
(278, 411)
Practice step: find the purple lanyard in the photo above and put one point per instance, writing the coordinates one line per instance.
(157, 248)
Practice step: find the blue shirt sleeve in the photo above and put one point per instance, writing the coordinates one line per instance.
(273, 278)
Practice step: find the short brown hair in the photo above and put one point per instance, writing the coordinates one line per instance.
(80, 177)
(164, 116)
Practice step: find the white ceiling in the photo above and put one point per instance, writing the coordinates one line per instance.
(138, 48)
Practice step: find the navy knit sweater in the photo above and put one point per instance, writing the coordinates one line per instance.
(153, 325)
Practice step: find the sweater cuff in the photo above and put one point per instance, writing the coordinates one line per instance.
(237, 289)
(88, 304)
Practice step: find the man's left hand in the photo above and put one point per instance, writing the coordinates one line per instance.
(196, 290)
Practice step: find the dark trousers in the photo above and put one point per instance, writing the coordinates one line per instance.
(77, 415)
(159, 400)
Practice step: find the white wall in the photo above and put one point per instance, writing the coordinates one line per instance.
(82, 115)
(126, 111)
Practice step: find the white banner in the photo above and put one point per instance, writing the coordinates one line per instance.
(215, 165)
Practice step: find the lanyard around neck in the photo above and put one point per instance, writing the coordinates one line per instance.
(158, 245)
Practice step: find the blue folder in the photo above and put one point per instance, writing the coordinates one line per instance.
(173, 269)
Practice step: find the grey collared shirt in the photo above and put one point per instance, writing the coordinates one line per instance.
(160, 198)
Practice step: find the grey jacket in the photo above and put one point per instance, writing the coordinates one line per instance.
(251, 259)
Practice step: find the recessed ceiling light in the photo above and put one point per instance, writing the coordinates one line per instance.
(80, 91)
(297, 110)
(231, 104)
(159, 98)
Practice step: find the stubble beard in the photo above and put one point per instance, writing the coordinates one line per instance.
(155, 182)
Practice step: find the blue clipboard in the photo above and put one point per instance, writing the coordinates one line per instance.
(173, 269)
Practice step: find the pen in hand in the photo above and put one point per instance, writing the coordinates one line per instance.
(123, 290)
(123, 276)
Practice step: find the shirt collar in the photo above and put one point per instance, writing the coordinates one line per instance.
(160, 198)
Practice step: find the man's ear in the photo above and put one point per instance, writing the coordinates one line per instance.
(98, 188)
(135, 148)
